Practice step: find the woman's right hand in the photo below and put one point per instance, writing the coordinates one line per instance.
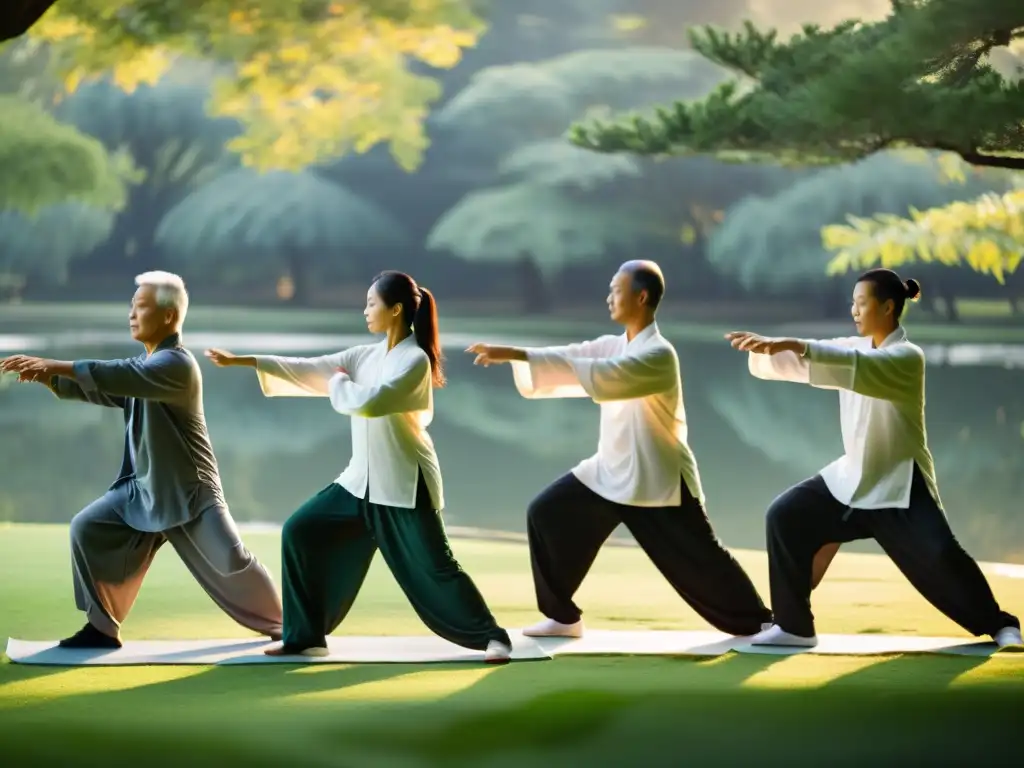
(222, 358)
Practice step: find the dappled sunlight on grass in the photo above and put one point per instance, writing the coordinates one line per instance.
(425, 684)
(41, 685)
(807, 671)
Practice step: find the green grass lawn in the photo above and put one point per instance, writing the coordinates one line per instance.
(602, 711)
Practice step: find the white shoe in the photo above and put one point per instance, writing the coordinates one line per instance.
(497, 653)
(552, 628)
(1008, 636)
(776, 635)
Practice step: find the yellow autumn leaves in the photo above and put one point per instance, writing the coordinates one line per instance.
(986, 234)
(305, 88)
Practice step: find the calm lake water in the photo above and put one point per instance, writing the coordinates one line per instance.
(752, 438)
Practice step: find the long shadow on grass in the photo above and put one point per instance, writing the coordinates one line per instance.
(555, 708)
(893, 711)
(212, 716)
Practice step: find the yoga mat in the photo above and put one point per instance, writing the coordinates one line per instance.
(344, 650)
(611, 642)
(870, 645)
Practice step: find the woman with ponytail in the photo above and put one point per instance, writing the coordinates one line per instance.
(883, 487)
(390, 496)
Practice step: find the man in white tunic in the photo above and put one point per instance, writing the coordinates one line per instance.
(390, 495)
(643, 475)
(168, 488)
(883, 487)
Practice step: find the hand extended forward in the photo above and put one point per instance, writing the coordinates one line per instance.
(745, 341)
(224, 359)
(490, 354)
(29, 368)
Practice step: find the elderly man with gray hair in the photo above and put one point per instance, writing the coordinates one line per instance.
(168, 488)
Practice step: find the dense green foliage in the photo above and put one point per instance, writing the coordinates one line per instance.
(245, 223)
(917, 78)
(306, 80)
(45, 162)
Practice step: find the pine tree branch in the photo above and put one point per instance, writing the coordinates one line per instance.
(1011, 162)
(841, 95)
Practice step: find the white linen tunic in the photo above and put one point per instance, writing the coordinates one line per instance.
(390, 397)
(642, 449)
(881, 412)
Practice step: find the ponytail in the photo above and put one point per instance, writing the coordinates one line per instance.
(424, 327)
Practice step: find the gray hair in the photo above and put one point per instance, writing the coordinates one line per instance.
(170, 291)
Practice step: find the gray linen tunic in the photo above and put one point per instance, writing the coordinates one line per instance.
(167, 490)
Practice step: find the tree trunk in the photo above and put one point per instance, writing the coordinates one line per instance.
(952, 313)
(536, 297)
(19, 15)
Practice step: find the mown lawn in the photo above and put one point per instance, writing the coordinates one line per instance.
(602, 711)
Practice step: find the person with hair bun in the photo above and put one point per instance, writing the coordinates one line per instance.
(883, 487)
(390, 495)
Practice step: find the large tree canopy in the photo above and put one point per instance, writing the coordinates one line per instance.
(41, 246)
(531, 100)
(308, 80)
(917, 78)
(44, 162)
(173, 143)
(245, 224)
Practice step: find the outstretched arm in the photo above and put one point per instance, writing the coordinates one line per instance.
(68, 389)
(551, 373)
(408, 390)
(525, 359)
(29, 368)
(165, 375)
(890, 373)
(281, 376)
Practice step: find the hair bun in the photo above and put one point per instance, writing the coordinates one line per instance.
(912, 287)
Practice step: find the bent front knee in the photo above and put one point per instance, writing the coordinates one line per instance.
(780, 515)
(78, 530)
(536, 512)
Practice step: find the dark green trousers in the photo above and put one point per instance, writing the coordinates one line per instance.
(327, 547)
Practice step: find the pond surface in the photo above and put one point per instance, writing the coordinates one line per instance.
(752, 438)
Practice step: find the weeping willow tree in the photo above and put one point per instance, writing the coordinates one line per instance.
(508, 105)
(306, 80)
(774, 244)
(45, 162)
(247, 225)
(539, 227)
(40, 246)
(556, 204)
(172, 141)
